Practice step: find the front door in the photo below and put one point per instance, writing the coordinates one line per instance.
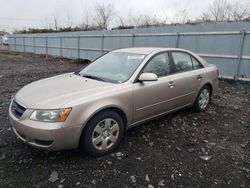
(151, 98)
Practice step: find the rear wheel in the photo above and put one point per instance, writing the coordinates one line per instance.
(102, 133)
(203, 99)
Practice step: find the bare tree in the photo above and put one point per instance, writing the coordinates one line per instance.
(181, 17)
(69, 20)
(122, 21)
(86, 22)
(205, 17)
(56, 23)
(220, 10)
(104, 14)
(147, 21)
(239, 12)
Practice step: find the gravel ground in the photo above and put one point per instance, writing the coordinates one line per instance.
(3, 47)
(183, 149)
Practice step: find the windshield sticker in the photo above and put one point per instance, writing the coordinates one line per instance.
(133, 57)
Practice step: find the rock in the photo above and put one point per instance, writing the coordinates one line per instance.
(190, 150)
(145, 138)
(150, 186)
(245, 169)
(130, 144)
(161, 183)
(211, 144)
(53, 176)
(151, 144)
(138, 158)
(178, 149)
(203, 150)
(78, 183)
(172, 177)
(93, 182)
(3, 156)
(206, 157)
(133, 179)
(60, 186)
(119, 155)
(147, 178)
(242, 122)
(62, 180)
(242, 145)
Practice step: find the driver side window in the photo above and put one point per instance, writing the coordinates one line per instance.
(159, 65)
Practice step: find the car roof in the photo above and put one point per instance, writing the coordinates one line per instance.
(146, 50)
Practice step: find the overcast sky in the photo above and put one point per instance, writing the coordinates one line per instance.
(20, 14)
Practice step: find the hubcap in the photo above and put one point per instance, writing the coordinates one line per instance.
(204, 98)
(105, 134)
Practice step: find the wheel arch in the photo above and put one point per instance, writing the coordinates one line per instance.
(209, 85)
(111, 108)
(116, 109)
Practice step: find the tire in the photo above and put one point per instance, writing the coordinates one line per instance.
(102, 133)
(203, 99)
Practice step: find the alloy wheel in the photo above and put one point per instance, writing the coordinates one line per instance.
(105, 134)
(204, 98)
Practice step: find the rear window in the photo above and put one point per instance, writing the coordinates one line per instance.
(184, 62)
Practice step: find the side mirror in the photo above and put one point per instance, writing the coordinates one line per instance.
(148, 77)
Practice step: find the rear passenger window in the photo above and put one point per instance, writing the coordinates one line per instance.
(182, 62)
(196, 64)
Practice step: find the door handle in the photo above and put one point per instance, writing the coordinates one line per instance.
(171, 84)
(199, 77)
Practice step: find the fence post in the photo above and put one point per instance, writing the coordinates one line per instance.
(24, 45)
(177, 39)
(34, 45)
(133, 39)
(60, 46)
(15, 43)
(102, 43)
(9, 48)
(46, 45)
(239, 57)
(78, 46)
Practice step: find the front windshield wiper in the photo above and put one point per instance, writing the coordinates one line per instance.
(98, 78)
(93, 77)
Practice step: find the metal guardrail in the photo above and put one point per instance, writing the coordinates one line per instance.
(237, 57)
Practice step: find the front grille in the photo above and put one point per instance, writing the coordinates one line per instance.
(17, 110)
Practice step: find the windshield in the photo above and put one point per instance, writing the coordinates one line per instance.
(113, 67)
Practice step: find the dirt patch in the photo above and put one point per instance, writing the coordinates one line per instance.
(183, 149)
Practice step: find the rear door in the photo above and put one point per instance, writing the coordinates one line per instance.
(187, 77)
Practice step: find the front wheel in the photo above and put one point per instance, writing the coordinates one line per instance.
(102, 133)
(203, 99)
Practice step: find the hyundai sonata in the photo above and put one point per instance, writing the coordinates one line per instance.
(93, 107)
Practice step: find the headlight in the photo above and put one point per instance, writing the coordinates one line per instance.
(50, 115)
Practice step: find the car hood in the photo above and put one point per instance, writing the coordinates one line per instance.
(54, 92)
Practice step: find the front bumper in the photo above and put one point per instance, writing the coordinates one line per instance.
(44, 135)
